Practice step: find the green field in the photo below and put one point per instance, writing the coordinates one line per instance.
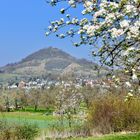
(41, 120)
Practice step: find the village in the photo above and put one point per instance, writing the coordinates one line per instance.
(78, 83)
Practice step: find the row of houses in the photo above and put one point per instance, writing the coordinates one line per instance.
(78, 83)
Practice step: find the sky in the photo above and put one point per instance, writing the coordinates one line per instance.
(22, 30)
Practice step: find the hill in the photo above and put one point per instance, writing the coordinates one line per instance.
(51, 61)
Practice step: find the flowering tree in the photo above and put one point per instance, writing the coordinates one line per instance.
(111, 27)
(68, 102)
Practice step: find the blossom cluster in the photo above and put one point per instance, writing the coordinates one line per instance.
(111, 26)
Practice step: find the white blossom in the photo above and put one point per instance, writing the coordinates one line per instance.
(68, 22)
(99, 13)
(47, 33)
(130, 8)
(130, 94)
(72, 3)
(75, 20)
(114, 4)
(62, 10)
(84, 11)
(116, 32)
(134, 76)
(124, 24)
(50, 27)
(134, 30)
(88, 4)
(128, 84)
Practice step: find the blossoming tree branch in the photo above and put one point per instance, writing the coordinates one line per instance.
(111, 27)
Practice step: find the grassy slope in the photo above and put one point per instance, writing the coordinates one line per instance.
(4, 77)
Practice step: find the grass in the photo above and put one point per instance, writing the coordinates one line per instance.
(133, 136)
(41, 120)
(26, 115)
(41, 110)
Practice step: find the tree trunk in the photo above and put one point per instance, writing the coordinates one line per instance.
(35, 108)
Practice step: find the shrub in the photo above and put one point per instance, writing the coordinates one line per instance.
(6, 131)
(17, 132)
(26, 131)
(111, 113)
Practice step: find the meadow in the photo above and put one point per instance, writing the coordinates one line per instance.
(40, 118)
(42, 121)
(45, 122)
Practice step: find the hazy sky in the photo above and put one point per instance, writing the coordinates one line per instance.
(22, 30)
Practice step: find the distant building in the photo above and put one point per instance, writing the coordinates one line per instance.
(22, 84)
